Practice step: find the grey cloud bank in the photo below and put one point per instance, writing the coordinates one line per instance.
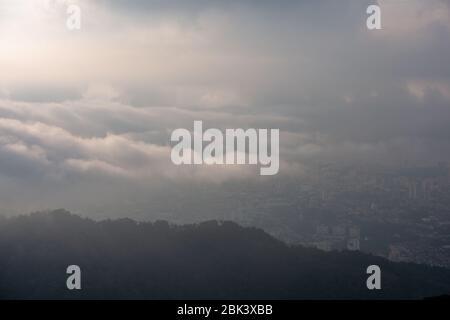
(98, 106)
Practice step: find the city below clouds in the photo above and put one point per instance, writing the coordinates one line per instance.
(93, 109)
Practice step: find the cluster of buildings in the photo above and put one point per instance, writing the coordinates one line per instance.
(339, 237)
(401, 214)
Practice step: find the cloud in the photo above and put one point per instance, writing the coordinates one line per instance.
(94, 109)
(95, 136)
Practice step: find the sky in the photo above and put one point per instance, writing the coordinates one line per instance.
(86, 115)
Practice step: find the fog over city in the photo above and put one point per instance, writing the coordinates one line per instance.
(86, 116)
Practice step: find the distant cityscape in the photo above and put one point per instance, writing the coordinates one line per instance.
(402, 214)
(399, 213)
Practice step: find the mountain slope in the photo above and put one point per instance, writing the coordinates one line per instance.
(124, 259)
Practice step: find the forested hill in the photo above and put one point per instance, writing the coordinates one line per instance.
(123, 259)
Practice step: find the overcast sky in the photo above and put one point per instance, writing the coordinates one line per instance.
(93, 108)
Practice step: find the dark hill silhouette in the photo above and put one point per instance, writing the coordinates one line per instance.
(123, 259)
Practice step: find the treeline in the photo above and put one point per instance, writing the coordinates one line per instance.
(123, 259)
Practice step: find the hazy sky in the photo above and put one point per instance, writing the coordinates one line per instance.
(93, 109)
